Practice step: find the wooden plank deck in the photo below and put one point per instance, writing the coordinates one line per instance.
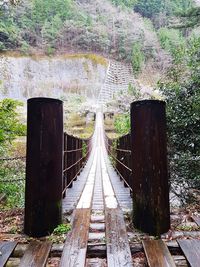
(122, 193)
(36, 255)
(75, 248)
(6, 249)
(157, 254)
(196, 219)
(191, 250)
(118, 249)
(73, 193)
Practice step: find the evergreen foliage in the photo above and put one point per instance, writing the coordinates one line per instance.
(170, 39)
(35, 22)
(9, 122)
(190, 18)
(150, 8)
(127, 3)
(137, 57)
(122, 124)
(10, 128)
(182, 91)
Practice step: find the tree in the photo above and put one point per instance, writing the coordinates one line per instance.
(183, 114)
(10, 127)
(189, 18)
(148, 8)
(137, 57)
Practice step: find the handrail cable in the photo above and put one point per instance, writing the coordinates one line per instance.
(15, 158)
(68, 168)
(123, 179)
(119, 161)
(119, 149)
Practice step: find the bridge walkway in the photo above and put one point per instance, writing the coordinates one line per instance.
(122, 193)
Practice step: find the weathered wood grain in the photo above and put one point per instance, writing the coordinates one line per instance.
(196, 219)
(118, 249)
(75, 248)
(36, 255)
(191, 249)
(96, 262)
(157, 254)
(6, 249)
(149, 162)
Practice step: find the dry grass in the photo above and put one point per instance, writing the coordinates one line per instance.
(76, 125)
(110, 128)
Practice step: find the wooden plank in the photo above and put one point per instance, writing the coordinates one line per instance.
(36, 255)
(196, 219)
(118, 249)
(6, 249)
(75, 248)
(157, 254)
(96, 262)
(191, 249)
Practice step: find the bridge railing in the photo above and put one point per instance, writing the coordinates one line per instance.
(119, 149)
(75, 155)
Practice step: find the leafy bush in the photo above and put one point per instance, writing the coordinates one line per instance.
(179, 6)
(10, 127)
(122, 124)
(150, 8)
(137, 58)
(170, 39)
(14, 191)
(127, 3)
(183, 114)
(62, 229)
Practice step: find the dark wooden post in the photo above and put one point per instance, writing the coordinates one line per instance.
(44, 170)
(149, 162)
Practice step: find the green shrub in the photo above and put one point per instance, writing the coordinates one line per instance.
(183, 109)
(137, 57)
(14, 192)
(122, 124)
(25, 47)
(127, 3)
(148, 8)
(62, 229)
(170, 39)
(10, 127)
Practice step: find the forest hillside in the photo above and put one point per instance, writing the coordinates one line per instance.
(160, 39)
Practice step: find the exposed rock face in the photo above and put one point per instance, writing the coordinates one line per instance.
(25, 77)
